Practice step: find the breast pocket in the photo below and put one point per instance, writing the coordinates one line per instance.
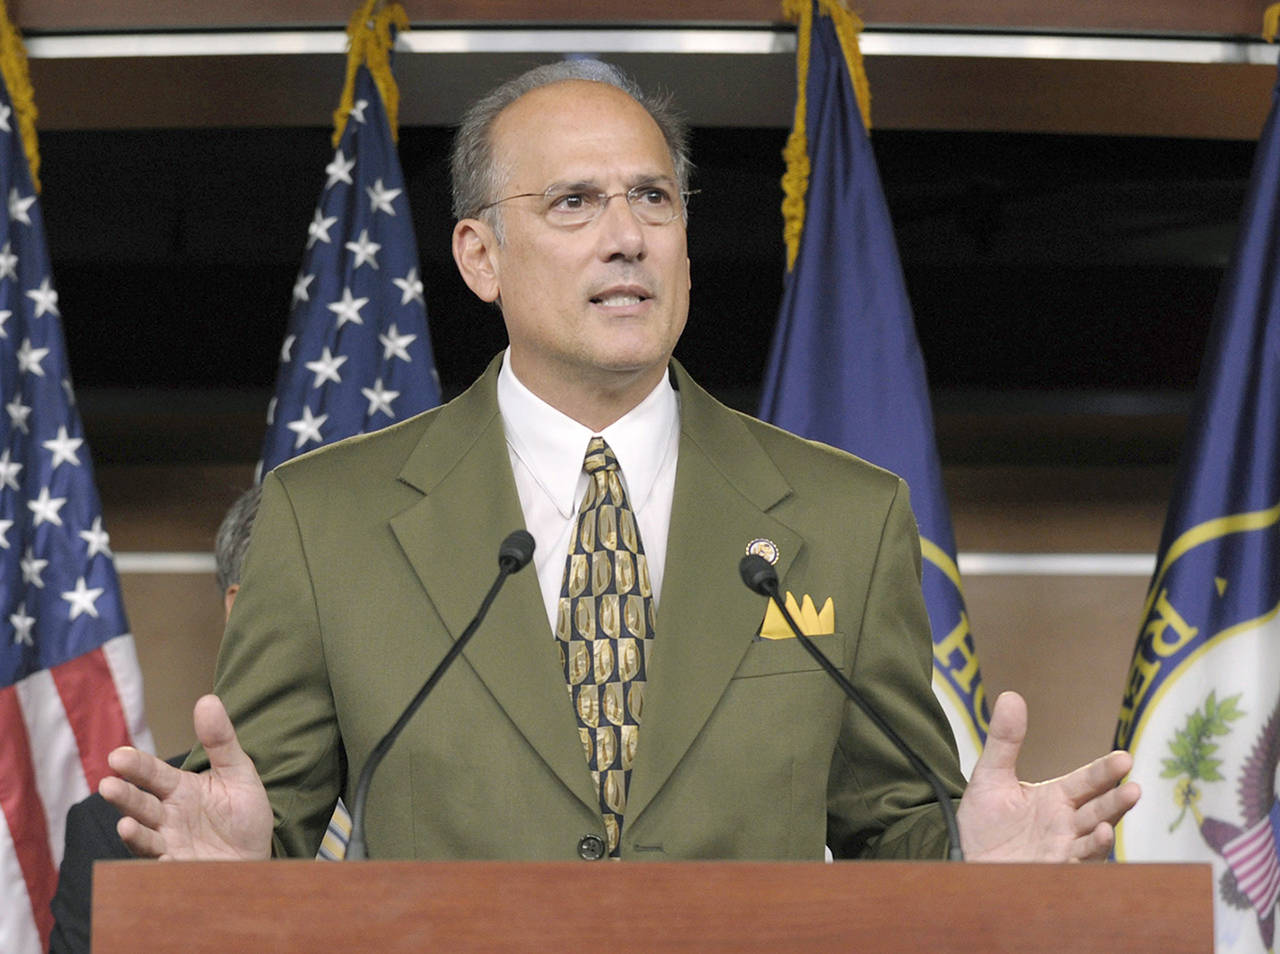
(768, 657)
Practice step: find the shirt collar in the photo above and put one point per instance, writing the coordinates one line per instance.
(552, 445)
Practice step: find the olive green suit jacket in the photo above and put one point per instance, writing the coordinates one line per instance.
(369, 557)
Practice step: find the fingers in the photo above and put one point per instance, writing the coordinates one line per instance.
(218, 736)
(1099, 776)
(143, 770)
(1005, 733)
(142, 814)
(140, 840)
(1108, 808)
(1096, 845)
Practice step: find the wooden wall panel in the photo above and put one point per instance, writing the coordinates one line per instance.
(1221, 17)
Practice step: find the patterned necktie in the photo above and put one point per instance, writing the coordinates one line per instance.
(604, 620)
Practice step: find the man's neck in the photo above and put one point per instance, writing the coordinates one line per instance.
(597, 402)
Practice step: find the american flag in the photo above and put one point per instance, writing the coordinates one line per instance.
(357, 356)
(70, 688)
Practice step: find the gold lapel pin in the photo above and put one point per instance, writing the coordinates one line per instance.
(765, 548)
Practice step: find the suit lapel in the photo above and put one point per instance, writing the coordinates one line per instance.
(706, 618)
(451, 538)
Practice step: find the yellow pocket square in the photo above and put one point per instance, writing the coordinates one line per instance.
(812, 621)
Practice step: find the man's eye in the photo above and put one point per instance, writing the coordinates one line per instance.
(570, 202)
(653, 196)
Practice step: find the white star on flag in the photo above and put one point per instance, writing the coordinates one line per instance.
(46, 508)
(271, 412)
(307, 427)
(339, 170)
(71, 680)
(9, 471)
(64, 448)
(18, 413)
(300, 288)
(380, 400)
(32, 568)
(339, 370)
(22, 624)
(82, 599)
(318, 230)
(411, 286)
(380, 197)
(8, 262)
(98, 539)
(348, 308)
(326, 368)
(365, 251)
(18, 206)
(29, 358)
(394, 343)
(46, 299)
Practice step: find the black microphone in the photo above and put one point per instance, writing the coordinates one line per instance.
(760, 577)
(514, 554)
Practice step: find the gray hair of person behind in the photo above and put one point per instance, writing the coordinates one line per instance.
(233, 537)
(476, 177)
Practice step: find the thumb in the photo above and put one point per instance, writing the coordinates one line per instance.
(218, 737)
(1005, 734)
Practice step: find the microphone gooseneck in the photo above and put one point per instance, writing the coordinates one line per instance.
(760, 577)
(513, 555)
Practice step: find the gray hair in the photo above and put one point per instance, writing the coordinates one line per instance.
(233, 537)
(476, 177)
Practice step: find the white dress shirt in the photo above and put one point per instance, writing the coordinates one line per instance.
(547, 449)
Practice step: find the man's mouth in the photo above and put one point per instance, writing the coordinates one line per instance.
(618, 300)
(620, 297)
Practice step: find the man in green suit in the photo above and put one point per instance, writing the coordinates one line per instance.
(370, 556)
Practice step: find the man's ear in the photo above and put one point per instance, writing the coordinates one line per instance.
(474, 252)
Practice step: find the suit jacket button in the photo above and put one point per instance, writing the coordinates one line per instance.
(590, 847)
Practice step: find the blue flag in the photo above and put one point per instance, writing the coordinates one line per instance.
(358, 356)
(845, 367)
(1201, 706)
(70, 688)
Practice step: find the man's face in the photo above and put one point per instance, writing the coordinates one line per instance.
(600, 304)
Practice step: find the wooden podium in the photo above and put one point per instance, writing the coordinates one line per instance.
(291, 907)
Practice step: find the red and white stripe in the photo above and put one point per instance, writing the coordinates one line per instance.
(56, 728)
(1253, 860)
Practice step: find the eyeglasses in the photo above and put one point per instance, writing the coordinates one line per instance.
(569, 208)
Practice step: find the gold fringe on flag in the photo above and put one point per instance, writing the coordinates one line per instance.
(1271, 22)
(369, 43)
(795, 181)
(17, 79)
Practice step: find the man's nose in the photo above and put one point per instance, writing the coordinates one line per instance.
(621, 232)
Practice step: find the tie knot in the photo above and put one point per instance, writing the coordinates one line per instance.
(599, 457)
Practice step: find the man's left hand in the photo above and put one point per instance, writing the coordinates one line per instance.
(1070, 818)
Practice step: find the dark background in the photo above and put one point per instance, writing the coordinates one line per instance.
(1052, 276)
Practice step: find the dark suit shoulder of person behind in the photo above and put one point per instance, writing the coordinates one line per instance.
(91, 836)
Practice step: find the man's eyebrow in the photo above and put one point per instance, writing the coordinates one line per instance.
(593, 185)
(576, 185)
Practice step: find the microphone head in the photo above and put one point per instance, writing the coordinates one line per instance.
(516, 551)
(759, 574)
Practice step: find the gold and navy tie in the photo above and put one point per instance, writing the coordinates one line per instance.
(604, 621)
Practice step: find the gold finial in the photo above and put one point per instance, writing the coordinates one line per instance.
(369, 42)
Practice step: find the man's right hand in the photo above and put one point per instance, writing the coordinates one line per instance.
(221, 813)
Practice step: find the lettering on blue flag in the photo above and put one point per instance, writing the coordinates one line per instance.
(1201, 704)
(357, 356)
(845, 367)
